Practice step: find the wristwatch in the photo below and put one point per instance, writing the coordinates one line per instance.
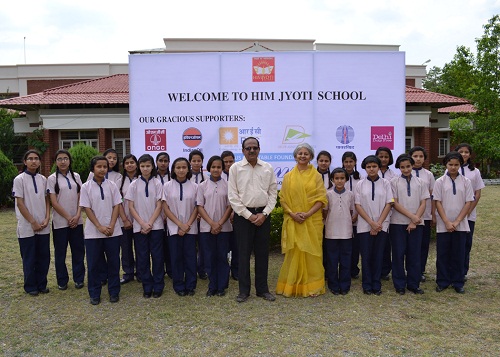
(265, 214)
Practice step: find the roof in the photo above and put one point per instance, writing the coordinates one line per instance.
(463, 108)
(114, 90)
(106, 90)
(420, 96)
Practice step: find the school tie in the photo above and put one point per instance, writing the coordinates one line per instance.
(34, 181)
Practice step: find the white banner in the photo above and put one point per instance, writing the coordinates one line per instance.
(335, 101)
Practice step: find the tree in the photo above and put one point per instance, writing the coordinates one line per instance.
(13, 146)
(81, 155)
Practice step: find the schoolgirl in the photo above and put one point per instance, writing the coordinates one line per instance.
(469, 170)
(406, 229)
(215, 228)
(63, 188)
(127, 243)
(144, 201)
(228, 160)
(101, 200)
(349, 164)
(373, 199)
(338, 233)
(33, 215)
(419, 155)
(324, 160)
(386, 160)
(196, 158)
(454, 195)
(179, 196)
(114, 171)
(163, 174)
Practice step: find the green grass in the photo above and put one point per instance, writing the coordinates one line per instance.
(64, 323)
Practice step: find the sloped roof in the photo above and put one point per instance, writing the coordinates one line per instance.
(420, 96)
(463, 108)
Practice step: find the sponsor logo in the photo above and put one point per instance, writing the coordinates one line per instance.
(155, 139)
(191, 137)
(345, 134)
(294, 134)
(382, 136)
(263, 69)
(228, 136)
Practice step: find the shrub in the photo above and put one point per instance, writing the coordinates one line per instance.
(81, 155)
(276, 226)
(437, 170)
(7, 175)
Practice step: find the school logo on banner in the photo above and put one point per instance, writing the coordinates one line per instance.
(263, 69)
(191, 137)
(155, 139)
(382, 136)
(345, 134)
(228, 136)
(294, 134)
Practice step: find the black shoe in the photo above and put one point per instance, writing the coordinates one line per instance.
(355, 276)
(401, 291)
(267, 296)
(460, 290)
(147, 295)
(125, 280)
(157, 294)
(44, 291)
(441, 288)
(190, 292)
(79, 285)
(114, 298)
(210, 293)
(367, 292)
(385, 277)
(221, 293)
(234, 277)
(344, 292)
(334, 292)
(423, 278)
(95, 301)
(104, 282)
(203, 276)
(242, 297)
(63, 287)
(181, 293)
(377, 292)
(33, 293)
(417, 291)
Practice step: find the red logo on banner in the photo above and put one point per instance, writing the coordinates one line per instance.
(263, 69)
(382, 136)
(155, 139)
(192, 137)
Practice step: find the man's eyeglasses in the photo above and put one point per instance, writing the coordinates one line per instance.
(250, 148)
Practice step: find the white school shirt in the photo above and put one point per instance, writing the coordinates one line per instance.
(197, 177)
(373, 207)
(126, 186)
(326, 178)
(418, 192)
(338, 223)
(90, 197)
(225, 175)
(145, 205)
(212, 196)
(428, 178)
(352, 182)
(182, 209)
(477, 184)
(34, 200)
(67, 197)
(452, 202)
(114, 176)
(388, 175)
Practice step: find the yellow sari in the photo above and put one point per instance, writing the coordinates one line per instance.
(302, 273)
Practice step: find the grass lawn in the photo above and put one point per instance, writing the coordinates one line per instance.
(64, 323)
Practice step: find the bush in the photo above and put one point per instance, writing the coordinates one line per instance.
(276, 226)
(7, 175)
(81, 155)
(437, 170)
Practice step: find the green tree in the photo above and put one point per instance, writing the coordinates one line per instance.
(81, 155)
(7, 175)
(13, 146)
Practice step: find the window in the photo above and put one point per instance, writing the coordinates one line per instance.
(408, 139)
(121, 142)
(444, 146)
(68, 139)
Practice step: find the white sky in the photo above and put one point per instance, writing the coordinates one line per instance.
(104, 31)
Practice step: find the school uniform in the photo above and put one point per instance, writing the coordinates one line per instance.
(166, 249)
(103, 252)
(351, 185)
(62, 234)
(428, 178)
(233, 245)
(477, 184)
(34, 246)
(212, 196)
(406, 246)
(325, 176)
(372, 196)
(450, 246)
(127, 242)
(386, 263)
(181, 200)
(145, 194)
(338, 239)
(198, 178)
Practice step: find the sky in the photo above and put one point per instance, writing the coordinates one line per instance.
(91, 31)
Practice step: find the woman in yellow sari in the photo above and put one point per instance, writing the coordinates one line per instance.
(302, 197)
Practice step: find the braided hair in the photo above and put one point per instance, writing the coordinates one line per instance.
(70, 170)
